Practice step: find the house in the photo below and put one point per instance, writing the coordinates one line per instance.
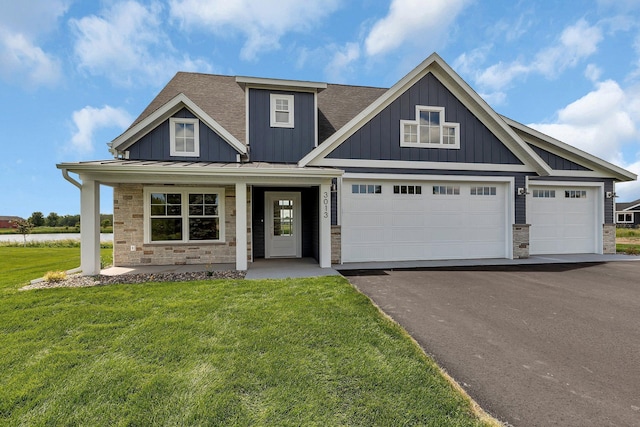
(628, 214)
(9, 221)
(229, 169)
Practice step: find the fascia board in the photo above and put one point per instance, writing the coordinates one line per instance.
(280, 83)
(131, 136)
(631, 208)
(574, 154)
(460, 89)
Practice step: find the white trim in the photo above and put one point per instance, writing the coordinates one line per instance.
(618, 213)
(90, 227)
(465, 95)
(325, 226)
(632, 207)
(571, 153)
(172, 137)
(280, 83)
(184, 191)
(442, 124)
(241, 226)
(421, 177)
(273, 101)
(406, 164)
(133, 134)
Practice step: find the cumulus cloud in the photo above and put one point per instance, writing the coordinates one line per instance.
(22, 59)
(261, 23)
(127, 44)
(342, 60)
(410, 21)
(90, 119)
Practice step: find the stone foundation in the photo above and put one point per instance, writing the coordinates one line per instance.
(128, 232)
(336, 244)
(521, 241)
(609, 238)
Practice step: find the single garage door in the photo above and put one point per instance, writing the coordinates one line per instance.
(563, 220)
(423, 220)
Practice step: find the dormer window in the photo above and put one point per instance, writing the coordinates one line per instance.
(184, 137)
(281, 111)
(429, 130)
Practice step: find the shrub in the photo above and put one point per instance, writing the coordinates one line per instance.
(632, 250)
(55, 276)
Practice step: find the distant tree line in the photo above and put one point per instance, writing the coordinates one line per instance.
(54, 220)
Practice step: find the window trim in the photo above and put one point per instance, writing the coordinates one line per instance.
(618, 221)
(443, 124)
(172, 137)
(273, 98)
(184, 191)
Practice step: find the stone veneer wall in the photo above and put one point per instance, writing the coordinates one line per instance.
(128, 229)
(520, 241)
(609, 238)
(336, 244)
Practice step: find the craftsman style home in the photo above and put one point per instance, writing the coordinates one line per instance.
(628, 214)
(229, 169)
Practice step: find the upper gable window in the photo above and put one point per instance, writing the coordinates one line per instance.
(281, 111)
(429, 130)
(185, 137)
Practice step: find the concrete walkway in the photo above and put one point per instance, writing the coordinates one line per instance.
(284, 268)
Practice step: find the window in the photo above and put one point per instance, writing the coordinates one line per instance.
(448, 190)
(184, 137)
(174, 215)
(575, 194)
(429, 130)
(483, 191)
(625, 218)
(407, 189)
(544, 194)
(366, 189)
(282, 110)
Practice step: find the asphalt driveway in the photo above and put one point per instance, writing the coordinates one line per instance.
(555, 345)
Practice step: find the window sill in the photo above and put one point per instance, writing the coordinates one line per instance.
(194, 243)
(436, 146)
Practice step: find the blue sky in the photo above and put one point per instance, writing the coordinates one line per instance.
(74, 74)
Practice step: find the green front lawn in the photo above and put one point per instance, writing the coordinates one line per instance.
(224, 352)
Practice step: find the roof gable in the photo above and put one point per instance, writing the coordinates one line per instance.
(628, 206)
(471, 100)
(141, 127)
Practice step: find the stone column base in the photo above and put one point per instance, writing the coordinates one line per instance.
(336, 244)
(521, 241)
(609, 238)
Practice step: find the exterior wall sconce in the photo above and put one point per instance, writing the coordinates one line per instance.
(610, 194)
(522, 191)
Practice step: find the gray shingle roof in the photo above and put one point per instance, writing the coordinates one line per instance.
(224, 100)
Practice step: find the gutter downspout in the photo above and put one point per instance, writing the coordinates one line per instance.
(65, 175)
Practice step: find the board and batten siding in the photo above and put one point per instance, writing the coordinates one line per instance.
(556, 162)
(379, 139)
(280, 145)
(155, 144)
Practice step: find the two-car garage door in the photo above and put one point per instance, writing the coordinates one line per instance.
(424, 220)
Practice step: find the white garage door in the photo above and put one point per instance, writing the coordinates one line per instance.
(563, 220)
(423, 220)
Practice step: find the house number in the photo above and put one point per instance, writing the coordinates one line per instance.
(325, 203)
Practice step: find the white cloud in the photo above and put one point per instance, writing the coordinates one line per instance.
(342, 61)
(412, 21)
(601, 123)
(263, 23)
(89, 119)
(127, 44)
(26, 63)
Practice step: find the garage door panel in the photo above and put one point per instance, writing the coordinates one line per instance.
(423, 226)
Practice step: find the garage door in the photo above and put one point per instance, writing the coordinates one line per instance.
(563, 220)
(419, 220)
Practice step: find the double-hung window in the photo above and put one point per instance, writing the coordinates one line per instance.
(183, 215)
(282, 112)
(429, 130)
(184, 137)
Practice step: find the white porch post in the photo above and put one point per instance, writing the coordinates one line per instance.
(241, 226)
(325, 225)
(90, 227)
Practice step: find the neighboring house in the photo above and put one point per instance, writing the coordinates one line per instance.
(228, 169)
(9, 221)
(628, 214)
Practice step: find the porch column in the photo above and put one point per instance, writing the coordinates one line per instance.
(241, 226)
(325, 225)
(90, 227)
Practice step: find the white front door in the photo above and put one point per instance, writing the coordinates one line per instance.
(283, 231)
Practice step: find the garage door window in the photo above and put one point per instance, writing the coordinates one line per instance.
(483, 191)
(447, 190)
(366, 189)
(544, 194)
(407, 189)
(575, 194)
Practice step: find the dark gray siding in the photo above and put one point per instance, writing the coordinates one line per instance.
(557, 162)
(155, 144)
(379, 139)
(280, 145)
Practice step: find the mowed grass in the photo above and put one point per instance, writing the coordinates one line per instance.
(225, 352)
(628, 240)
